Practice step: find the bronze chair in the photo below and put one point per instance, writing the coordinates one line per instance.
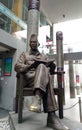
(21, 91)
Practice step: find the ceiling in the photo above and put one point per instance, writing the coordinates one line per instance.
(61, 10)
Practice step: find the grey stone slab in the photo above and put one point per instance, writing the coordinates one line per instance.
(3, 113)
(31, 121)
(37, 121)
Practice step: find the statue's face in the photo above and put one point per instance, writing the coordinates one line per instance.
(33, 44)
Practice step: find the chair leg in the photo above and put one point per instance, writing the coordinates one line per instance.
(16, 104)
(20, 109)
(60, 102)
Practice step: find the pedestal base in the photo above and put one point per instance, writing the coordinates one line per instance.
(37, 121)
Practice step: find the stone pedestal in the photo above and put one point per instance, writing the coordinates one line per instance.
(37, 121)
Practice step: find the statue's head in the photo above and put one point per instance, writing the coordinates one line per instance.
(34, 42)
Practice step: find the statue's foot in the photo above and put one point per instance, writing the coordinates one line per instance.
(36, 105)
(34, 108)
(54, 122)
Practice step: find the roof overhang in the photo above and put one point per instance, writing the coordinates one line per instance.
(61, 10)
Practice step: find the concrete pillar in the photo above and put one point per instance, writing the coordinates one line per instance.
(71, 79)
(33, 19)
(17, 9)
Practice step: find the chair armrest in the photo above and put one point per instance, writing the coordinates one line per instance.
(59, 72)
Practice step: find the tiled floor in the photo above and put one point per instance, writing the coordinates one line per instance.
(4, 123)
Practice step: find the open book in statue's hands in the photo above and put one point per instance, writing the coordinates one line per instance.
(46, 62)
(49, 63)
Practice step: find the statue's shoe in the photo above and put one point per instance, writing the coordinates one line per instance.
(36, 105)
(54, 122)
(35, 108)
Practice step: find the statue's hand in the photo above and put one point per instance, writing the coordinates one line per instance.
(52, 67)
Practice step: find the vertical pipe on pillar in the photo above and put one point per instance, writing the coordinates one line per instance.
(33, 19)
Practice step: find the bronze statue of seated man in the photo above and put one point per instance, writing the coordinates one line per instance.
(37, 69)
